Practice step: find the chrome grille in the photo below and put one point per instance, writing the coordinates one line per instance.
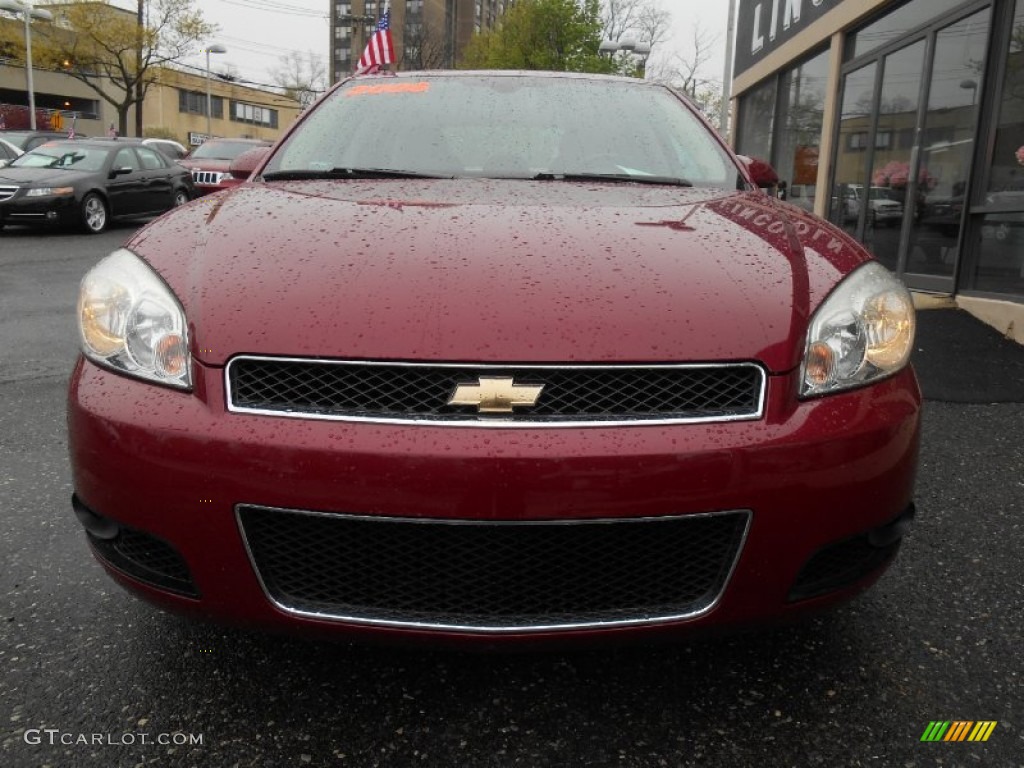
(420, 393)
(6, 193)
(207, 177)
(492, 576)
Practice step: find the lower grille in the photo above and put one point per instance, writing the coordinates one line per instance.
(146, 558)
(492, 576)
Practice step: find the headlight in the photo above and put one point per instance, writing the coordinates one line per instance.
(49, 191)
(864, 331)
(130, 320)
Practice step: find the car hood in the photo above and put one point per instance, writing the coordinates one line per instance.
(42, 176)
(497, 271)
(206, 164)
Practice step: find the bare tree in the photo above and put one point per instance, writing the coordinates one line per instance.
(687, 72)
(653, 24)
(425, 47)
(641, 19)
(228, 72)
(302, 77)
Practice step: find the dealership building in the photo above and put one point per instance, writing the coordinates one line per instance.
(903, 123)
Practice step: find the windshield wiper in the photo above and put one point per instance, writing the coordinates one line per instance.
(617, 177)
(348, 173)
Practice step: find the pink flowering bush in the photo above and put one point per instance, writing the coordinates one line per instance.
(896, 174)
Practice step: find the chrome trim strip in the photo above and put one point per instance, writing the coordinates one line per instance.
(496, 422)
(496, 630)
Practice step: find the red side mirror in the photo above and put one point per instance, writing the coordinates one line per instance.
(243, 165)
(760, 171)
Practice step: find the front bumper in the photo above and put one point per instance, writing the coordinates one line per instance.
(61, 209)
(178, 467)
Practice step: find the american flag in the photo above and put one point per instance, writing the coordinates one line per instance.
(379, 48)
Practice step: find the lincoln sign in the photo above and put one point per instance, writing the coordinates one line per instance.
(764, 25)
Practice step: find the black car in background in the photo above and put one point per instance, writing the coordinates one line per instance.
(89, 182)
(28, 140)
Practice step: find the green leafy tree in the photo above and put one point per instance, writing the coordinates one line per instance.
(557, 35)
(107, 49)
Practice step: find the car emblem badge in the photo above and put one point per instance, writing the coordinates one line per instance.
(497, 394)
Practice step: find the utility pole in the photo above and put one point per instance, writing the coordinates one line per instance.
(358, 23)
(730, 36)
(139, 93)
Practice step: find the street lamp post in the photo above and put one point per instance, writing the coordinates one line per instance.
(215, 48)
(640, 50)
(28, 12)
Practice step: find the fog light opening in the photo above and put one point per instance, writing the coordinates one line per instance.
(97, 525)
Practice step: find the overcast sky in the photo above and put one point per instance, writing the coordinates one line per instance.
(258, 32)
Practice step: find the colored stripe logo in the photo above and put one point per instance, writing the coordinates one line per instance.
(959, 730)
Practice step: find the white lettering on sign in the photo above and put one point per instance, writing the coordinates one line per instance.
(757, 43)
(791, 14)
(779, 20)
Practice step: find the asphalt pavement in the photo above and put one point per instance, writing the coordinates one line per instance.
(93, 677)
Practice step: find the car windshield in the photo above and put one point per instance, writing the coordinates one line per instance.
(506, 127)
(220, 150)
(62, 156)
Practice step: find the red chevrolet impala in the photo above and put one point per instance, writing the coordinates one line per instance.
(495, 357)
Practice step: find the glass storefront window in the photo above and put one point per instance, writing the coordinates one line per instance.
(1008, 161)
(802, 105)
(852, 146)
(896, 24)
(1001, 253)
(757, 121)
(947, 146)
(888, 199)
(1000, 234)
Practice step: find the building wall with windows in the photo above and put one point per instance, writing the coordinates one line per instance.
(902, 121)
(428, 34)
(58, 97)
(176, 104)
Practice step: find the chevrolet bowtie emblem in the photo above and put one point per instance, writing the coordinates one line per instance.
(496, 394)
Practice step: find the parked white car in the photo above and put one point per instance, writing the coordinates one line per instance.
(883, 209)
